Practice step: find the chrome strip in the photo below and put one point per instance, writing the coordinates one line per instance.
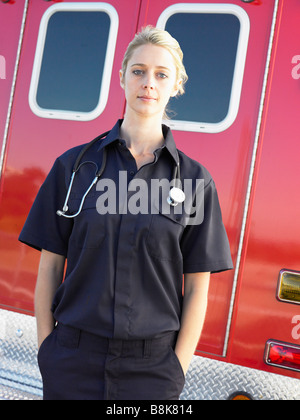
(250, 182)
(13, 87)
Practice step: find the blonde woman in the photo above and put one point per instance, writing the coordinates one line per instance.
(115, 324)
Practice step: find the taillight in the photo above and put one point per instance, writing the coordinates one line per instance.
(284, 355)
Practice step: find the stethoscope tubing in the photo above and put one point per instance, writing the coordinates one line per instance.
(172, 199)
(76, 168)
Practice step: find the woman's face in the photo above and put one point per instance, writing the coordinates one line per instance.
(150, 80)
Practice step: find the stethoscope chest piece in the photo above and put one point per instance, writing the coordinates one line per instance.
(176, 196)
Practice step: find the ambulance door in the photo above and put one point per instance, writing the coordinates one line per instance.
(67, 93)
(225, 45)
(269, 296)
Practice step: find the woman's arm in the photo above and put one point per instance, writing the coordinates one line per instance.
(193, 316)
(50, 276)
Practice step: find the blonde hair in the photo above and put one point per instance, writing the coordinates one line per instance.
(159, 37)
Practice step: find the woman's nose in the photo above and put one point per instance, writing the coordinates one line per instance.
(149, 83)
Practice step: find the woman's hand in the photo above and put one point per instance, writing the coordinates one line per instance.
(50, 276)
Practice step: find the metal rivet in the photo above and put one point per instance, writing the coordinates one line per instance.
(19, 333)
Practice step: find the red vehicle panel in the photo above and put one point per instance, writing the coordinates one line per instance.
(33, 145)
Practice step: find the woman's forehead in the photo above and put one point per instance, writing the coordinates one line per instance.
(152, 55)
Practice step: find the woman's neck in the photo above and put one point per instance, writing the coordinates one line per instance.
(143, 136)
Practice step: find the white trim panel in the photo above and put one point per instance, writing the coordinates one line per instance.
(108, 64)
(239, 66)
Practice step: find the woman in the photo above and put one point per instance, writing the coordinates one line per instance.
(116, 325)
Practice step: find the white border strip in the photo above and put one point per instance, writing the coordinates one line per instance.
(250, 182)
(13, 87)
(108, 63)
(238, 76)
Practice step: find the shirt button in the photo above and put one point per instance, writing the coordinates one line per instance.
(131, 173)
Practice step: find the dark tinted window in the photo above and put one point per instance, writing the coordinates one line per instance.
(73, 61)
(209, 42)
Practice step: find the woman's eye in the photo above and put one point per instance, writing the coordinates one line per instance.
(162, 75)
(137, 72)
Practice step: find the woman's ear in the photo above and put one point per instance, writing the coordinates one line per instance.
(176, 88)
(121, 79)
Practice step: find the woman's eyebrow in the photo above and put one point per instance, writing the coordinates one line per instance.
(144, 65)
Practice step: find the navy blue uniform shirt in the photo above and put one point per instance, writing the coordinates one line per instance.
(126, 254)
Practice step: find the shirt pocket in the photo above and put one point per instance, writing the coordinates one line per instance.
(163, 241)
(89, 229)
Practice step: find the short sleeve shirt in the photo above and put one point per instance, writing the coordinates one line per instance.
(128, 248)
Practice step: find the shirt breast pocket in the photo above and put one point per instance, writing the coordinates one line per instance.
(89, 226)
(163, 241)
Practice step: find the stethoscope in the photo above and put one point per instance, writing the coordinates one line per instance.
(176, 195)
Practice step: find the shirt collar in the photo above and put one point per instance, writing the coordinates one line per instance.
(114, 135)
(170, 143)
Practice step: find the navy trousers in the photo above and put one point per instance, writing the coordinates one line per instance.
(76, 365)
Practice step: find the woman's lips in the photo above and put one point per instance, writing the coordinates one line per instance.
(147, 98)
